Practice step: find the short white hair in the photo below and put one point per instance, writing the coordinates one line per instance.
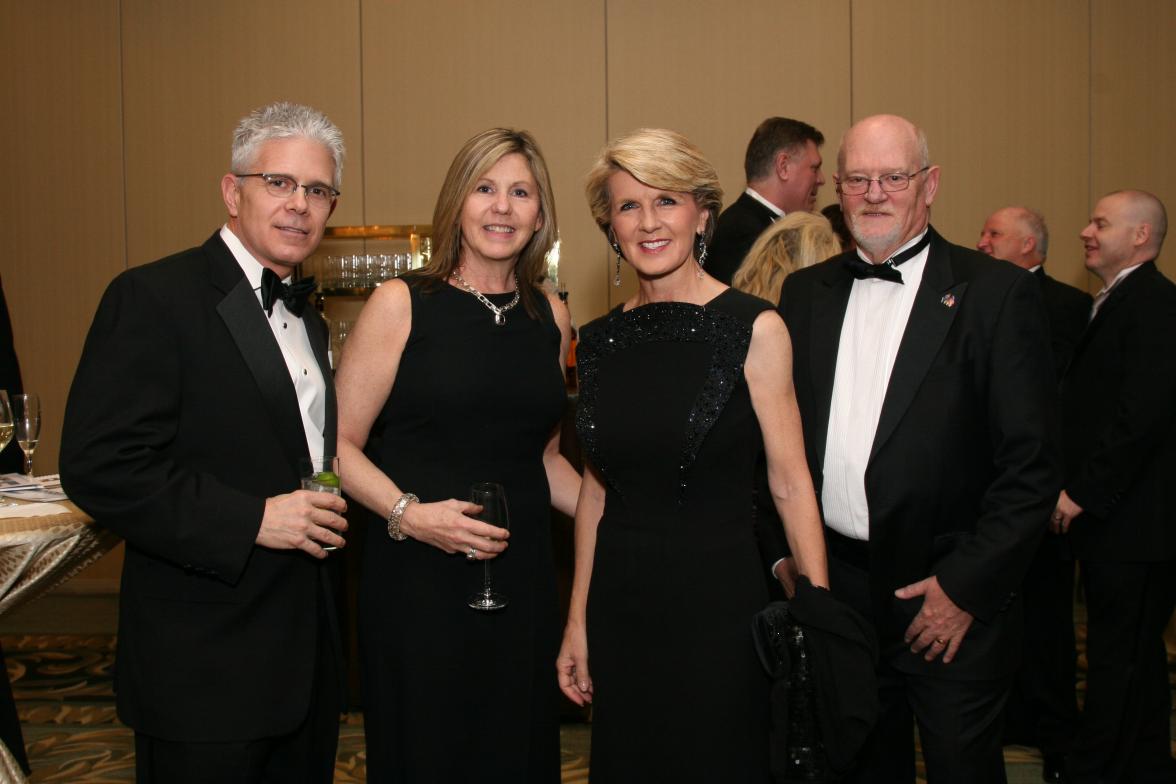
(284, 120)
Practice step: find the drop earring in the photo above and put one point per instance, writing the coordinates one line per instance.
(616, 246)
(700, 243)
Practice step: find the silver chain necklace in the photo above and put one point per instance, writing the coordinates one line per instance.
(499, 313)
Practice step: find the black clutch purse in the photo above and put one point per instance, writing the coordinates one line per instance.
(797, 754)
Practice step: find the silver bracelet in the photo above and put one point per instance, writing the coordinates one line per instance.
(396, 514)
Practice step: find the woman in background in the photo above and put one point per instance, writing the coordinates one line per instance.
(681, 387)
(455, 374)
(798, 240)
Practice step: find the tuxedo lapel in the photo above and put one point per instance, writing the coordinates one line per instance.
(830, 299)
(241, 311)
(937, 302)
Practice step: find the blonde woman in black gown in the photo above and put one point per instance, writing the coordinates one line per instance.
(452, 376)
(682, 386)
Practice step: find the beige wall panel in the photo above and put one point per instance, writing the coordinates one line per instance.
(62, 142)
(192, 70)
(1133, 103)
(435, 73)
(1001, 89)
(713, 71)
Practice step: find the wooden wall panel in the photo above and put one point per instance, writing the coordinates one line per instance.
(1133, 103)
(63, 207)
(714, 71)
(192, 70)
(1001, 89)
(435, 73)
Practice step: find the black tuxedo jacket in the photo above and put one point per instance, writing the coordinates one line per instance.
(181, 421)
(738, 227)
(1067, 310)
(1119, 419)
(963, 467)
(11, 459)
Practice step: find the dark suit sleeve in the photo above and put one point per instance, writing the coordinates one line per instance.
(118, 459)
(982, 573)
(1130, 429)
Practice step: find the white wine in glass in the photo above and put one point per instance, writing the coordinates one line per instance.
(5, 420)
(492, 498)
(26, 414)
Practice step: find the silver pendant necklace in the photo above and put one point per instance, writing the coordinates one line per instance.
(499, 313)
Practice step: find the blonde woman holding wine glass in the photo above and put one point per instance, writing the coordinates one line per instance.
(453, 376)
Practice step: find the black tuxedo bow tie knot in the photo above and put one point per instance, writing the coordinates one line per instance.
(293, 294)
(888, 270)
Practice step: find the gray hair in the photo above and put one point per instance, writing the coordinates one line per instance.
(284, 120)
(1034, 223)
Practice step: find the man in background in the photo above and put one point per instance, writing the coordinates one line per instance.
(1042, 707)
(1118, 403)
(783, 169)
(204, 379)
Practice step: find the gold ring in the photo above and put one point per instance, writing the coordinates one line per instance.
(940, 641)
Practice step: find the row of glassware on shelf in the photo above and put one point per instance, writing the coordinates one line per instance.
(362, 270)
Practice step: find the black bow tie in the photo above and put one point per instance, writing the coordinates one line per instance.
(293, 294)
(888, 269)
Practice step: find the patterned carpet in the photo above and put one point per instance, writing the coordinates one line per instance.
(62, 685)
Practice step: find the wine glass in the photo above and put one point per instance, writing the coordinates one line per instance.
(5, 420)
(492, 498)
(26, 414)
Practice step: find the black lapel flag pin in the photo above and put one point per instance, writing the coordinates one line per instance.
(948, 301)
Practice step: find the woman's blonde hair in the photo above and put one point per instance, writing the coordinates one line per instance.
(659, 158)
(472, 161)
(798, 240)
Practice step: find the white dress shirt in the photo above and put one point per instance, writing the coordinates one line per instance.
(1105, 291)
(290, 332)
(779, 213)
(875, 320)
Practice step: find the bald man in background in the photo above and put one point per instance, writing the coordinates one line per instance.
(1042, 708)
(1118, 407)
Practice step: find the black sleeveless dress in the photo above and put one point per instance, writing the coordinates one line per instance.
(452, 694)
(665, 416)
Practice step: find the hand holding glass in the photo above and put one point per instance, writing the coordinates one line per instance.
(26, 414)
(321, 475)
(492, 498)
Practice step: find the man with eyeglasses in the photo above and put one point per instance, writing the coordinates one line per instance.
(1042, 707)
(783, 168)
(924, 382)
(1118, 402)
(203, 381)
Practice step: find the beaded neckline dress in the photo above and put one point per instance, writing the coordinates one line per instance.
(666, 419)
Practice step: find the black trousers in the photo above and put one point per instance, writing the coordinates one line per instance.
(1042, 709)
(960, 722)
(304, 756)
(1123, 733)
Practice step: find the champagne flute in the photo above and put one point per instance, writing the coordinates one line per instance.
(492, 498)
(6, 422)
(26, 411)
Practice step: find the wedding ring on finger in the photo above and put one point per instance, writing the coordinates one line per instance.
(471, 554)
(940, 641)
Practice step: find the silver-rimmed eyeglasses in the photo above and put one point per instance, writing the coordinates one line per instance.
(283, 186)
(857, 184)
